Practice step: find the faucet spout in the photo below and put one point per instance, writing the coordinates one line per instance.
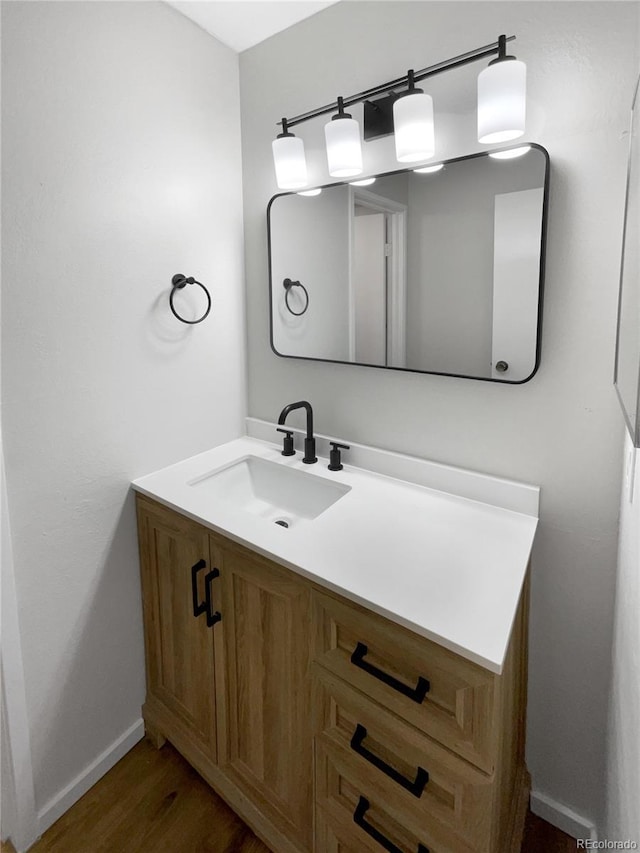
(309, 442)
(302, 404)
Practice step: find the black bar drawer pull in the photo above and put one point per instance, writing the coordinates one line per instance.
(383, 841)
(416, 693)
(416, 787)
(198, 607)
(213, 616)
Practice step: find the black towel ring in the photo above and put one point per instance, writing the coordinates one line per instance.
(288, 284)
(177, 283)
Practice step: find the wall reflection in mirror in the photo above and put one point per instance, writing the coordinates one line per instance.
(435, 272)
(627, 372)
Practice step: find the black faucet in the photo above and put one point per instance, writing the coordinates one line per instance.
(309, 442)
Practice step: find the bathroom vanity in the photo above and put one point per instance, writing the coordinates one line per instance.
(356, 680)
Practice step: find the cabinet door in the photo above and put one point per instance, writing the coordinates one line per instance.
(179, 646)
(267, 750)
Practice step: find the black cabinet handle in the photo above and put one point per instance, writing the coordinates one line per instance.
(206, 606)
(213, 616)
(198, 607)
(383, 841)
(416, 693)
(414, 787)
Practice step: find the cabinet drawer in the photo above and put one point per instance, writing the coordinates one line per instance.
(392, 666)
(338, 833)
(408, 779)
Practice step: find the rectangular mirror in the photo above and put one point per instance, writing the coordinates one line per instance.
(627, 375)
(438, 272)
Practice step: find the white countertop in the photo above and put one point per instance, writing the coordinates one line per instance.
(447, 567)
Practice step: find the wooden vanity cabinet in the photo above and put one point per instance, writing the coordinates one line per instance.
(417, 749)
(232, 694)
(267, 748)
(181, 669)
(327, 728)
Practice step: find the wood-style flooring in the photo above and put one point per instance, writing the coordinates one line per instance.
(152, 801)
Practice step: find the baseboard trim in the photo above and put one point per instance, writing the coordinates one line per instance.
(79, 786)
(562, 817)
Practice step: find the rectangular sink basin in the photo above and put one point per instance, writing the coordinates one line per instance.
(274, 492)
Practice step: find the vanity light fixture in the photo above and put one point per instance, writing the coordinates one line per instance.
(413, 124)
(289, 160)
(365, 182)
(502, 95)
(344, 150)
(314, 191)
(408, 114)
(429, 170)
(510, 153)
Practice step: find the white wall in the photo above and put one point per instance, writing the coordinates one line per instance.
(368, 270)
(310, 245)
(451, 244)
(623, 765)
(17, 807)
(121, 167)
(563, 429)
(7, 793)
(517, 234)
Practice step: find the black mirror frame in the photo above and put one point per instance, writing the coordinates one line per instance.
(543, 243)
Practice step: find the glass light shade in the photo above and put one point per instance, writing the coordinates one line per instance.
(413, 127)
(502, 95)
(344, 150)
(290, 162)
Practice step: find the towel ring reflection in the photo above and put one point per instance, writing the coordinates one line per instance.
(177, 283)
(288, 284)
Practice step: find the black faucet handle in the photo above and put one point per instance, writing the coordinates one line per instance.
(335, 463)
(287, 448)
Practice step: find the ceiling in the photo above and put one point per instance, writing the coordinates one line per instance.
(243, 23)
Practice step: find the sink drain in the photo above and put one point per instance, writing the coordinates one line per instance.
(282, 522)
